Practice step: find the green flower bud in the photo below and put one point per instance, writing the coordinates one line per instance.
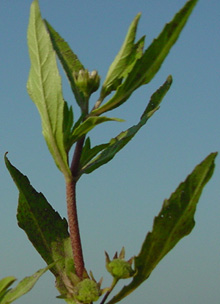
(87, 291)
(118, 267)
(87, 82)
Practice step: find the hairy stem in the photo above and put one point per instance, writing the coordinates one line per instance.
(72, 211)
(74, 228)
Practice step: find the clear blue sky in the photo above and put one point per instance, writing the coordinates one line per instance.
(117, 203)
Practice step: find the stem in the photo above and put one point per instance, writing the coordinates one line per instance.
(98, 103)
(74, 228)
(76, 157)
(72, 211)
(115, 281)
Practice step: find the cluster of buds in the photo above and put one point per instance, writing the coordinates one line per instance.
(87, 82)
(118, 267)
(87, 290)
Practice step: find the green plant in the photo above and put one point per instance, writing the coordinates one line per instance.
(58, 242)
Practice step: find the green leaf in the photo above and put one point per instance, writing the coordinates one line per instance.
(67, 126)
(123, 60)
(89, 153)
(117, 143)
(175, 220)
(5, 283)
(88, 125)
(44, 87)
(44, 227)
(68, 59)
(148, 65)
(23, 286)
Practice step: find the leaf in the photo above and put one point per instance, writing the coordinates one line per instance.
(117, 143)
(175, 220)
(89, 153)
(23, 287)
(67, 126)
(68, 59)
(148, 65)
(124, 58)
(5, 283)
(44, 87)
(44, 227)
(88, 125)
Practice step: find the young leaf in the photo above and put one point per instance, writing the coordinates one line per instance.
(88, 125)
(44, 227)
(124, 58)
(44, 87)
(5, 283)
(67, 126)
(68, 59)
(175, 220)
(117, 143)
(89, 153)
(147, 65)
(23, 286)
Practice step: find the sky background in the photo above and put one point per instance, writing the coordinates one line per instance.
(118, 202)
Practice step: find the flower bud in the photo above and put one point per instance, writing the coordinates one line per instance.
(118, 267)
(87, 291)
(87, 82)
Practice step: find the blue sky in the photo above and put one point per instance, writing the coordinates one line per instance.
(118, 202)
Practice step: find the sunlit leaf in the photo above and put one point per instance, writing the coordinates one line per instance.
(147, 65)
(68, 59)
(175, 220)
(44, 87)
(122, 61)
(117, 143)
(44, 227)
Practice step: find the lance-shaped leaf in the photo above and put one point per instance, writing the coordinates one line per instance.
(175, 220)
(68, 59)
(22, 288)
(88, 125)
(117, 143)
(44, 87)
(44, 227)
(128, 53)
(68, 120)
(147, 66)
(89, 153)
